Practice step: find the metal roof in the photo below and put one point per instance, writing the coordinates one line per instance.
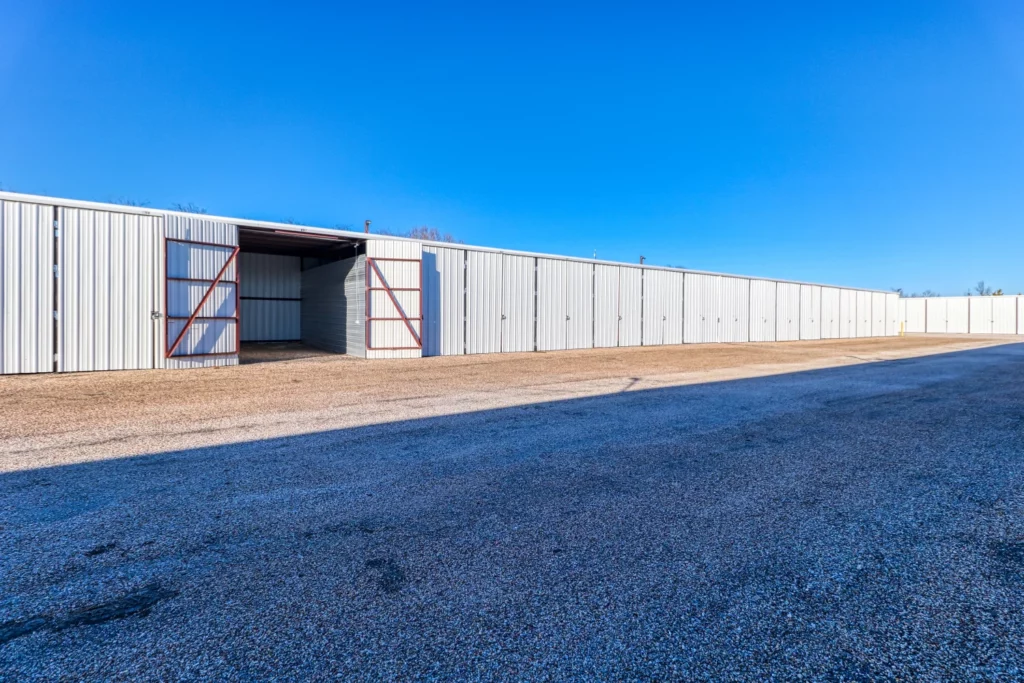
(353, 235)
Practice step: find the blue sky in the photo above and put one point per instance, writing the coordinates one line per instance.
(876, 144)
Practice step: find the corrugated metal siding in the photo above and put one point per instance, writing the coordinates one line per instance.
(1004, 315)
(863, 314)
(204, 337)
(483, 302)
(830, 313)
(702, 308)
(108, 290)
(579, 311)
(517, 303)
(444, 301)
(271, 288)
(980, 314)
(810, 312)
(392, 338)
(936, 315)
(915, 315)
(26, 288)
(551, 305)
(734, 310)
(1020, 315)
(957, 319)
(892, 315)
(630, 306)
(762, 310)
(334, 306)
(878, 310)
(847, 313)
(606, 306)
(787, 316)
(192, 260)
(663, 307)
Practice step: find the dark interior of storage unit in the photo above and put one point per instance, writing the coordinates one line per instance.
(300, 294)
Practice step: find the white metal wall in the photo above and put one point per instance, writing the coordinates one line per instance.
(517, 318)
(936, 316)
(877, 314)
(847, 313)
(957, 315)
(108, 290)
(483, 302)
(1004, 315)
(390, 337)
(914, 315)
(734, 310)
(551, 304)
(762, 310)
(980, 315)
(892, 315)
(579, 309)
(606, 306)
(787, 316)
(1020, 315)
(863, 314)
(810, 312)
(702, 308)
(26, 287)
(444, 301)
(630, 306)
(663, 307)
(830, 314)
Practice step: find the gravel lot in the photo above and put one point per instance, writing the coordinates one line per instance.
(547, 517)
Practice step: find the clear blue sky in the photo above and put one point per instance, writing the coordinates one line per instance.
(876, 144)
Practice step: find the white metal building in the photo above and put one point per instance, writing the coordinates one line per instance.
(88, 286)
(962, 314)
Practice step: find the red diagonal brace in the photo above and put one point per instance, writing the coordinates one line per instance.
(195, 313)
(398, 306)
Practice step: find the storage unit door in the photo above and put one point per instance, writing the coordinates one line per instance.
(606, 306)
(1020, 315)
(1004, 315)
(483, 302)
(630, 305)
(829, 313)
(517, 303)
(892, 315)
(762, 310)
(810, 312)
(957, 315)
(444, 301)
(787, 316)
(109, 298)
(980, 315)
(579, 330)
(847, 314)
(915, 315)
(877, 314)
(551, 304)
(935, 312)
(735, 310)
(26, 288)
(863, 314)
(394, 320)
(663, 307)
(702, 308)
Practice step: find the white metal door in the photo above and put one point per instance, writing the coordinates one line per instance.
(606, 306)
(878, 314)
(630, 305)
(847, 314)
(551, 304)
(517, 303)
(26, 287)
(579, 312)
(787, 317)
(863, 314)
(829, 313)
(109, 294)
(394, 318)
(810, 312)
(483, 301)
(1004, 315)
(762, 310)
(734, 309)
(702, 308)
(980, 314)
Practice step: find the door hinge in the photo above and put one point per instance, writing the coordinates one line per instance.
(55, 315)
(56, 271)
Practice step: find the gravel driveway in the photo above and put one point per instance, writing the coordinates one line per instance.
(852, 523)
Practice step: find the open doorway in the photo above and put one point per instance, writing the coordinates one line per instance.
(302, 294)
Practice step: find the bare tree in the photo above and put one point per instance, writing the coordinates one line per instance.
(981, 290)
(423, 232)
(187, 208)
(125, 201)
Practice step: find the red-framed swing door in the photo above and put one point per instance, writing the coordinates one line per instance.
(201, 295)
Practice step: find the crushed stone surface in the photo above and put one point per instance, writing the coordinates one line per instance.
(810, 511)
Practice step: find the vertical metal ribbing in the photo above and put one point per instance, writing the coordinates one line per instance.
(593, 304)
(643, 272)
(535, 302)
(56, 288)
(465, 301)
